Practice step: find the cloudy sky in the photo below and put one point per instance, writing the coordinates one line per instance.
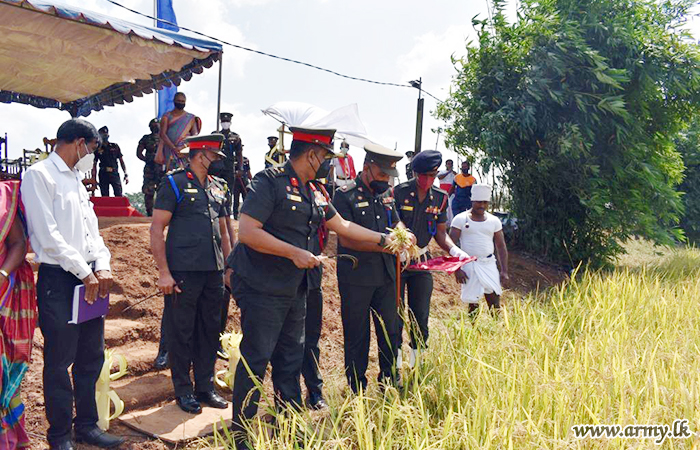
(386, 40)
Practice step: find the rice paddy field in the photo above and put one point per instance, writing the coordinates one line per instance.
(605, 348)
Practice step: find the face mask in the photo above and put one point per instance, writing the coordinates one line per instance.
(225, 125)
(86, 161)
(424, 181)
(216, 168)
(378, 187)
(104, 137)
(155, 130)
(179, 105)
(465, 171)
(323, 170)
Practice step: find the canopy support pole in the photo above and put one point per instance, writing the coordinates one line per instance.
(218, 100)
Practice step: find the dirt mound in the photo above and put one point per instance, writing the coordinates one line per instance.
(133, 328)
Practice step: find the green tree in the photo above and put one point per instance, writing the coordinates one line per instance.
(137, 201)
(578, 103)
(688, 144)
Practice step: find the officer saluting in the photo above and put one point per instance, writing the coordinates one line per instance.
(193, 205)
(372, 286)
(423, 209)
(285, 210)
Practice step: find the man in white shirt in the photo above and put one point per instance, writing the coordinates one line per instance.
(479, 233)
(447, 177)
(64, 235)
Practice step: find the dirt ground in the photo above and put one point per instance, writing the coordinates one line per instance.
(134, 333)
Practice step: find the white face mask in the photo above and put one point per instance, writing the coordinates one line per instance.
(84, 164)
(226, 125)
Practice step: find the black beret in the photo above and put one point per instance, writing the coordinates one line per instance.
(426, 161)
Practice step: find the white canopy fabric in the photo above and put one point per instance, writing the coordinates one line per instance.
(346, 120)
(82, 61)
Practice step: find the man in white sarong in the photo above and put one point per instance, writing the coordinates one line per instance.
(479, 234)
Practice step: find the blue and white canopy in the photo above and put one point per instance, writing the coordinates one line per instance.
(58, 56)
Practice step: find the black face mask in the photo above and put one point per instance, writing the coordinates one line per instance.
(465, 171)
(216, 168)
(154, 130)
(323, 170)
(179, 105)
(378, 187)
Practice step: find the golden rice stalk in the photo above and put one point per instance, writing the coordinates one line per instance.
(402, 243)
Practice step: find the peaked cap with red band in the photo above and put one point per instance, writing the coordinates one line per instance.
(211, 142)
(324, 138)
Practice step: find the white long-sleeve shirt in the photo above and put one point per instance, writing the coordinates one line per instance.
(62, 225)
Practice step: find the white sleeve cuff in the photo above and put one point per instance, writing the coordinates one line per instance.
(101, 264)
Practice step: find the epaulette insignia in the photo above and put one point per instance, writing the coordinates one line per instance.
(178, 170)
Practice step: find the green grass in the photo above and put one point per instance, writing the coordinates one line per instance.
(616, 347)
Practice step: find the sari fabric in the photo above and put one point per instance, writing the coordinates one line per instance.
(177, 132)
(18, 315)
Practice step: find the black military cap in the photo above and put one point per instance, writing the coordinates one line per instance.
(104, 129)
(211, 142)
(225, 117)
(384, 158)
(272, 137)
(156, 121)
(426, 161)
(324, 138)
(410, 153)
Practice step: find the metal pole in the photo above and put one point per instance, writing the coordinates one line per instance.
(218, 101)
(419, 119)
(155, 24)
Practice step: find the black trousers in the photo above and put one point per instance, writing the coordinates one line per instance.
(108, 179)
(79, 345)
(357, 303)
(312, 326)
(225, 302)
(192, 329)
(163, 344)
(239, 190)
(419, 285)
(273, 332)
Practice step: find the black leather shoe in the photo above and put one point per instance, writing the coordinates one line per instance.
(189, 404)
(316, 401)
(161, 361)
(98, 438)
(212, 399)
(65, 445)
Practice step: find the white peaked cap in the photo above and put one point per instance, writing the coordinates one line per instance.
(481, 193)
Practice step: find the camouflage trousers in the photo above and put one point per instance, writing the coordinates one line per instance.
(152, 174)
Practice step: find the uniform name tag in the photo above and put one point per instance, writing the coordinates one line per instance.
(294, 198)
(362, 204)
(407, 208)
(191, 191)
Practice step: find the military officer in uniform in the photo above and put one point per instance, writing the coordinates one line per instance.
(286, 210)
(192, 204)
(276, 156)
(409, 170)
(312, 328)
(370, 290)
(108, 155)
(233, 149)
(423, 209)
(152, 172)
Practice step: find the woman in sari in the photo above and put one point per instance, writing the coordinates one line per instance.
(18, 316)
(175, 126)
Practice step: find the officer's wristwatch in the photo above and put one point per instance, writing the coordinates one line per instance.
(382, 241)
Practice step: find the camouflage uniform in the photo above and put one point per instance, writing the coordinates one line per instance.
(152, 172)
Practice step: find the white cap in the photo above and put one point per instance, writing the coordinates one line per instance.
(481, 193)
